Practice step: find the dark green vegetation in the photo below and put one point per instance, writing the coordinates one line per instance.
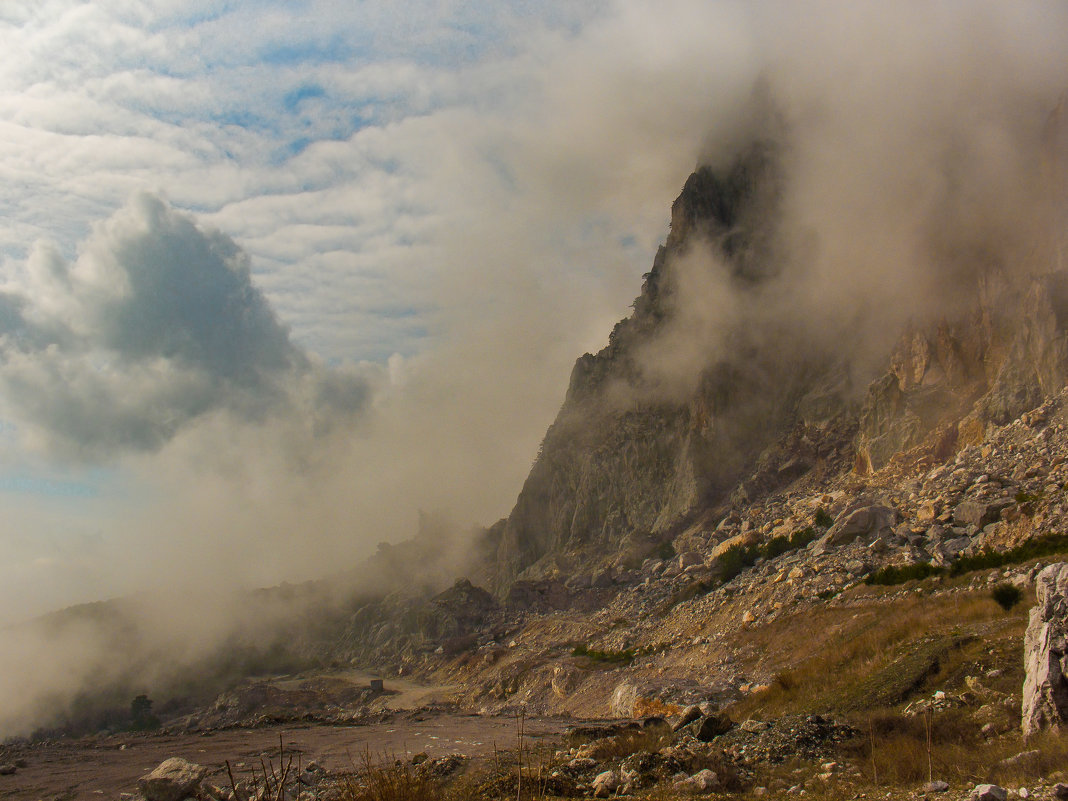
(1048, 545)
(738, 557)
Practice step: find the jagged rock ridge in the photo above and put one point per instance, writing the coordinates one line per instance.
(629, 462)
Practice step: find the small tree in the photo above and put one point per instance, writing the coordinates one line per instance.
(1007, 595)
(141, 716)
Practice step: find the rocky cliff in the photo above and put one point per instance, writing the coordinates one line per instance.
(644, 447)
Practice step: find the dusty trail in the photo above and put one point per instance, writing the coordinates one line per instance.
(105, 766)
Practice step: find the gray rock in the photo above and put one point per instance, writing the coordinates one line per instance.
(7, 770)
(708, 727)
(867, 520)
(1045, 690)
(1060, 790)
(936, 786)
(989, 792)
(979, 513)
(689, 715)
(704, 781)
(173, 780)
(604, 784)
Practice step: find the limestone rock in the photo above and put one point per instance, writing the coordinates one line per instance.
(1045, 691)
(708, 727)
(173, 780)
(989, 792)
(867, 520)
(604, 784)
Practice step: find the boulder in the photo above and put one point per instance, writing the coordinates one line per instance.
(1045, 690)
(704, 781)
(989, 792)
(708, 727)
(980, 513)
(866, 521)
(689, 715)
(624, 697)
(604, 784)
(173, 779)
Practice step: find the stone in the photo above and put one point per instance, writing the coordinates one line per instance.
(989, 792)
(1045, 690)
(754, 726)
(704, 781)
(173, 779)
(624, 697)
(867, 520)
(709, 727)
(7, 770)
(1060, 790)
(689, 715)
(604, 784)
(936, 786)
(979, 513)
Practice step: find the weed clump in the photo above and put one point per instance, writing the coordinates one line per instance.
(624, 657)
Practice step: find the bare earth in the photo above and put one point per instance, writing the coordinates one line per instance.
(105, 766)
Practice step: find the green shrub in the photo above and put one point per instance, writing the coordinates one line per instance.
(736, 559)
(776, 546)
(1032, 549)
(799, 539)
(1006, 595)
(823, 518)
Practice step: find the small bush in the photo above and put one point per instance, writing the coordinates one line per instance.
(736, 559)
(664, 551)
(611, 657)
(823, 518)
(1006, 595)
(776, 546)
(1032, 549)
(799, 539)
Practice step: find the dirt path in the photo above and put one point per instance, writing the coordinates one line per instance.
(92, 768)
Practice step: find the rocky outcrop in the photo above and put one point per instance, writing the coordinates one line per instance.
(999, 359)
(1045, 692)
(627, 457)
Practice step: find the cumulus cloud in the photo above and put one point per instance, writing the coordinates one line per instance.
(155, 325)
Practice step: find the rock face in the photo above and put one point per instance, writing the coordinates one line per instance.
(638, 452)
(1045, 692)
(628, 457)
(173, 780)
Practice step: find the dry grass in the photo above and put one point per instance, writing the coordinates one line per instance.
(877, 652)
(956, 752)
(388, 780)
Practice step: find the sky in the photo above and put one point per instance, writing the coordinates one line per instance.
(276, 276)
